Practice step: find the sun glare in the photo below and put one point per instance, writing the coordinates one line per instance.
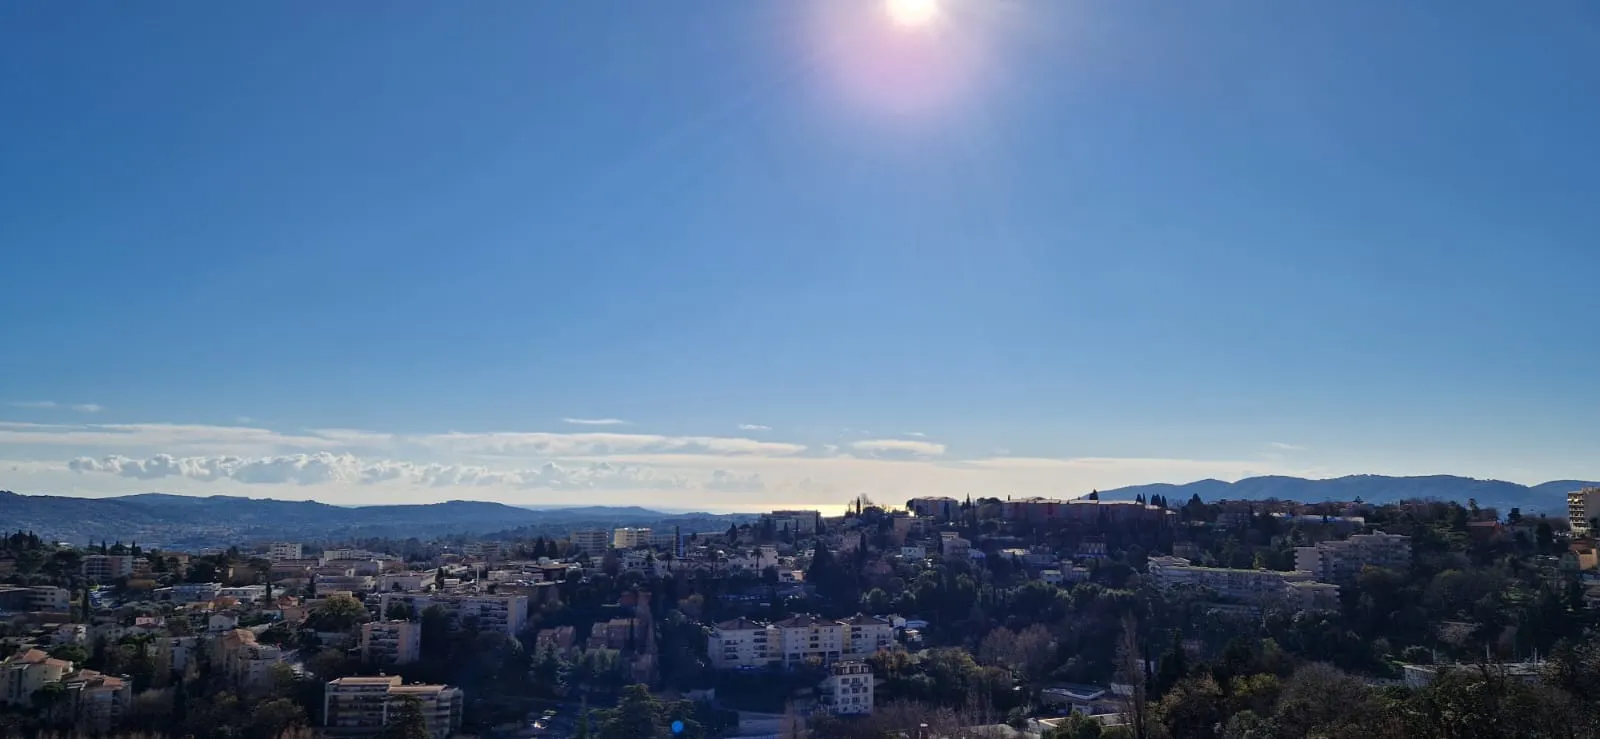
(912, 13)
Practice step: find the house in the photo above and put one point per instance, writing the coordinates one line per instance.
(97, 701)
(1089, 700)
(560, 641)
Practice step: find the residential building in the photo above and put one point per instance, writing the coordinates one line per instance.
(245, 662)
(952, 546)
(666, 540)
(285, 550)
(802, 523)
(913, 551)
(363, 706)
(1051, 577)
(939, 508)
(70, 634)
(744, 643)
(1082, 510)
(865, 635)
(630, 538)
(50, 598)
(195, 592)
(26, 671)
(806, 636)
(1246, 585)
(107, 567)
(593, 543)
(1583, 506)
(244, 593)
(503, 613)
(561, 641)
(1420, 676)
(847, 691)
(97, 701)
(391, 642)
(1343, 560)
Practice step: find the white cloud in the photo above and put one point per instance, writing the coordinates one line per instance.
(916, 434)
(723, 481)
(46, 404)
(595, 421)
(899, 446)
(753, 427)
(326, 467)
(1286, 447)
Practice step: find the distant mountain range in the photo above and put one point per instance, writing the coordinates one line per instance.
(1549, 497)
(174, 521)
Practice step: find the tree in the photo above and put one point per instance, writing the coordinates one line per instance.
(337, 612)
(273, 717)
(408, 721)
(397, 611)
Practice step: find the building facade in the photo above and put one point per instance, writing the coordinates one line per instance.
(847, 691)
(285, 550)
(391, 642)
(593, 543)
(1343, 560)
(503, 613)
(1583, 506)
(107, 567)
(363, 706)
(630, 538)
(937, 508)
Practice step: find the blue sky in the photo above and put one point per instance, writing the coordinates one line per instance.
(315, 250)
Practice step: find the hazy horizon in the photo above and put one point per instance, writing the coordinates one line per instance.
(766, 254)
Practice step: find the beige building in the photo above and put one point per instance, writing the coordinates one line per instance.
(107, 567)
(865, 635)
(284, 551)
(1583, 506)
(50, 598)
(391, 642)
(630, 538)
(362, 706)
(246, 663)
(27, 671)
(847, 691)
(591, 542)
(1341, 561)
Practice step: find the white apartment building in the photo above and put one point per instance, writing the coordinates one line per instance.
(503, 613)
(742, 643)
(847, 691)
(591, 542)
(1246, 585)
(285, 550)
(1340, 561)
(629, 538)
(362, 706)
(1583, 505)
(107, 567)
(391, 642)
(865, 635)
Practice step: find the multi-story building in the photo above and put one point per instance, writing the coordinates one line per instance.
(194, 592)
(802, 523)
(938, 508)
(503, 613)
(629, 538)
(952, 546)
(27, 671)
(363, 706)
(560, 641)
(245, 662)
(1082, 510)
(744, 643)
(1583, 506)
(865, 635)
(107, 567)
(97, 701)
(1247, 585)
(50, 598)
(590, 542)
(806, 637)
(391, 642)
(285, 550)
(1343, 560)
(847, 691)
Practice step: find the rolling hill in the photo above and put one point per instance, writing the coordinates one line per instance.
(1549, 497)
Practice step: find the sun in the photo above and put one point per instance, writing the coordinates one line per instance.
(912, 13)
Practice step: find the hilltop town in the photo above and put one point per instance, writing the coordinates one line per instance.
(982, 616)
